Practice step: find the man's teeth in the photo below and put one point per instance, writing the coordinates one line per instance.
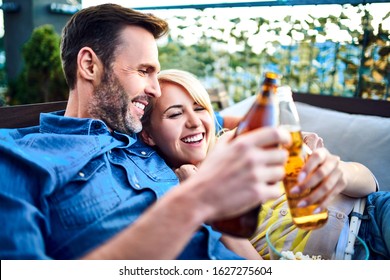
(195, 138)
(139, 105)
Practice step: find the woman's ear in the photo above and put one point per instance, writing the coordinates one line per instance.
(145, 136)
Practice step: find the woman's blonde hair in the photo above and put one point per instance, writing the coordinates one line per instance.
(195, 89)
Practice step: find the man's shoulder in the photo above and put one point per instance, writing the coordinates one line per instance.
(13, 134)
(55, 153)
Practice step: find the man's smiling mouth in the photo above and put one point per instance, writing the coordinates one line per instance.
(139, 105)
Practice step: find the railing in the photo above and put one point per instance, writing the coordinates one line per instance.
(27, 115)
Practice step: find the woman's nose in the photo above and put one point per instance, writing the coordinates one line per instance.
(193, 120)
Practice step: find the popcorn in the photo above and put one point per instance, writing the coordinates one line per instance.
(289, 255)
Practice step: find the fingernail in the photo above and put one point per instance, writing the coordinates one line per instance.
(317, 210)
(301, 177)
(302, 203)
(294, 190)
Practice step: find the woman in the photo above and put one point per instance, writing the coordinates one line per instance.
(180, 125)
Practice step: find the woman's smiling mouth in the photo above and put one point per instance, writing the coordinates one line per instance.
(196, 138)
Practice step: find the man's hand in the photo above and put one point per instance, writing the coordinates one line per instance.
(240, 173)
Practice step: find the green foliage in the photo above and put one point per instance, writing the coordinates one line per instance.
(41, 79)
(2, 98)
(198, 59)
(301, 47)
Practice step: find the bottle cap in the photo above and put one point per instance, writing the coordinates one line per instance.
(272, 78)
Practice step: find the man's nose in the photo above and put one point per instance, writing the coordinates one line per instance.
(153, 88)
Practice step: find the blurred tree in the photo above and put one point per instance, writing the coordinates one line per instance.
(330, 55)
(41, 79)
(2, 99)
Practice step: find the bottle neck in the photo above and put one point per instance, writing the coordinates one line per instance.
(267, 90)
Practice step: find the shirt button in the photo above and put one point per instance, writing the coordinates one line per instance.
(283, 212)
(144, 153)
(339, 216)
(81, 174)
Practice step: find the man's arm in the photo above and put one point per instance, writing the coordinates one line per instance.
(21, 217)
(160, 233)
(235, 177)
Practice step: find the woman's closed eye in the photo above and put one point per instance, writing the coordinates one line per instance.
(173, 115)
(199, 108)
(176, 111)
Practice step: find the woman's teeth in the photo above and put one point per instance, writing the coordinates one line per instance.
(195, 138)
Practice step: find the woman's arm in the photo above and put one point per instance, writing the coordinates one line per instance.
(241, 247)
(360, 180)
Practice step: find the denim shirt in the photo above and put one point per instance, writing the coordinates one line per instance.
(68, 185)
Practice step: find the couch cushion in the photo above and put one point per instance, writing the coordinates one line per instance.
(360, 138)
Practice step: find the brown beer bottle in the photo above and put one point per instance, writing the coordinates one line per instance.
(263, 112)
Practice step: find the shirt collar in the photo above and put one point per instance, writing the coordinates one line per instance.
(57, 123)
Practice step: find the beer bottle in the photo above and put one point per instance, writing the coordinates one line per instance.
(303, 217)
(263, 112)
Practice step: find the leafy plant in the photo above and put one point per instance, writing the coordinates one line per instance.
(41, 79)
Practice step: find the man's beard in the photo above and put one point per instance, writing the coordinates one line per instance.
(111, 105)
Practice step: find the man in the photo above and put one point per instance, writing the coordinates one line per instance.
(80, 185)
(76, 186)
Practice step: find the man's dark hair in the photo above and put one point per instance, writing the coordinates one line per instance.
(99, 28)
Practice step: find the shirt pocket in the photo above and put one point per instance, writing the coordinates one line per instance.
(149, 163)
(90, 195)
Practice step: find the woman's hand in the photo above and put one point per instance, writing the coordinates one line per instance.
(350, 178)
(312, 140)
(185, 171)
(322, 172)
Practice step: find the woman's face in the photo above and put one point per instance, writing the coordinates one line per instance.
(179, 127)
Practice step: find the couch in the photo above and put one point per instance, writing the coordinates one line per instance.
(353, 137)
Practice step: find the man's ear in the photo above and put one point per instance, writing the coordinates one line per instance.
(89, 65)
(147, 138)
